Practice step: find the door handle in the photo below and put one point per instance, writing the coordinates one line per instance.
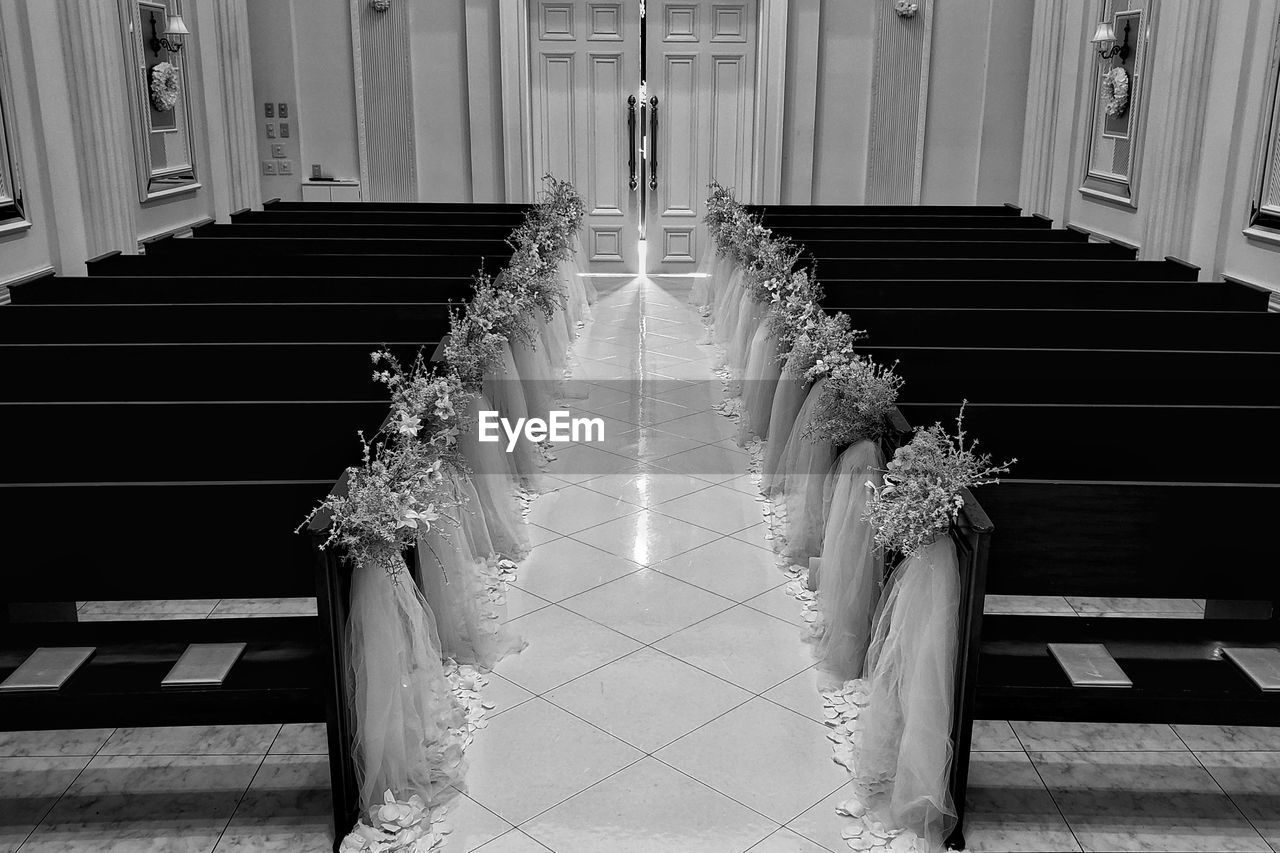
(653, 142)
(631, 129)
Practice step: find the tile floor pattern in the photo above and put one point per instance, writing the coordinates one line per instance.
(666, 701)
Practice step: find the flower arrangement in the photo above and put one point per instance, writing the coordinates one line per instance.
(403, 486)
(1115, 91)
(380, 5)
(854, 403)
(905, 8)
(164, 86)
(474, 347)
(823, 342)
(921, 496)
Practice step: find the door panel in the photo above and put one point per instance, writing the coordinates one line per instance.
(702, 69)
(585, 62)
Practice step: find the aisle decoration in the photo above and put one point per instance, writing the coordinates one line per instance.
(164, 86)
(923, 486)
(855, 403)
(1115, 91)
(891, 728)
(414, 711)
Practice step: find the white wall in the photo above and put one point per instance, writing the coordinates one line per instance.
(1202, 114)
(974, 87)
(55, 166)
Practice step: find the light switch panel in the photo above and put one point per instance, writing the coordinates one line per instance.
(269, 110)
(284, 130)
(286, 167)
(268, 167)
(282, 110)
(277, 150)
(271, 131)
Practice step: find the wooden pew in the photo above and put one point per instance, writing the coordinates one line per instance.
(212, 440)
(1238, 331)
(104, 290)
(170, 541)
(958, 211)
(511, 219)
(821, 250)
(183, 324)
(805, 234)
(273, 205)
(1150, 295)
(460, 232)
(906, 221)
(259, 371)
(194, 250)
(1003, 268)
(1080, 376)
(264, 263)
(1138, 443)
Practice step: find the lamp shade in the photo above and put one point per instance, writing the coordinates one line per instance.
(1104, 34)
(175, 26)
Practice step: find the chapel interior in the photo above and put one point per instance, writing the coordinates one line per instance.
(652, 426)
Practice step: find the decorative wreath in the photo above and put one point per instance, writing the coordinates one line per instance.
(905, 8)
(164, 86)
(380, 5)
(1115, 91)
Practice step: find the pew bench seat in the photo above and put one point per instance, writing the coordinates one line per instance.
(278, 679)
(1177, 667)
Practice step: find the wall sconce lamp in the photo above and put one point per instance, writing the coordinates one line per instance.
(1105, 35)
(175, 27)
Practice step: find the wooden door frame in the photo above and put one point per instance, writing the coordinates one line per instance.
(770, 96)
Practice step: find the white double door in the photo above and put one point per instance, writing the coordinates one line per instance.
(642, 149)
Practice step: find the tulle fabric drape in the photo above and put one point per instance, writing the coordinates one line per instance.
(799, 485)
(788, 396)
(405, 717)
(505, 390)
(494, 481)
(905, 752)
(849, 585)
(456, 587)
(759, 385)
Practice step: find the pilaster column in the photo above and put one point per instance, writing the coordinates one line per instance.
(1167, 192)
(231, 31)
(1040, 128)
(100, 116)
(899, 97)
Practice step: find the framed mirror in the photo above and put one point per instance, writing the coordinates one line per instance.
(159, 98)
(1264, 207)
(1114, 144)
(12, 206)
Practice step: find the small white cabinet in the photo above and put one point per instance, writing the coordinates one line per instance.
(331, 191)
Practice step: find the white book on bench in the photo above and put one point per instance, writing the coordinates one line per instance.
(1089, 665)
(47, 668)
(204, 665)
(1261, 665)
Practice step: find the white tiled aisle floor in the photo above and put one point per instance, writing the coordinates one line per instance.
(666, 702)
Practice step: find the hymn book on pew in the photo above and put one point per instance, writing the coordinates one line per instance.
(1089, 665)
(204, 665)
(48, 668)
(1261, 665)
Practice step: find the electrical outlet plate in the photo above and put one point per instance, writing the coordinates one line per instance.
(269, 110)
(284, 130)
(277, 150)
(316, 171)
(282, 110)
(268, 167)
(286, 167)
(271, 131)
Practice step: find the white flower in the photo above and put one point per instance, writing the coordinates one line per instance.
(408, 424)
